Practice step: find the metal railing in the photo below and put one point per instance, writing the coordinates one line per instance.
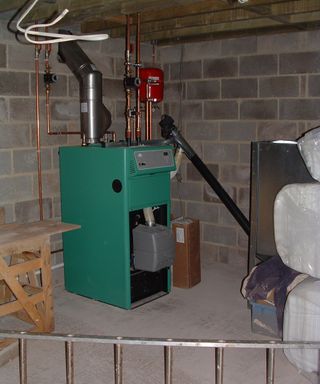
(168, 345)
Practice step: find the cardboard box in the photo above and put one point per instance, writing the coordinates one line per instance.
(187, 265)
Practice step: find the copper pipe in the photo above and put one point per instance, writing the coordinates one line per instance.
(149, 118)
(128, 133)
(138, 116)
(48, 49)
(37, 50)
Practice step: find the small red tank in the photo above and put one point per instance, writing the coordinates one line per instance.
(151, 88)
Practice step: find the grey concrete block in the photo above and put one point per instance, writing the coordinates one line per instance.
(220, 110)
(203, 211)
(235, 257)
(67, 109)
(21, 56)
(312, 39)
(281, 86)
(186, 70)
(235, 174)
(190, 110)
(50, 183)
(303, 86)
(73, 87)
(3, 55)
(5, 163)
(239, 46)
(282, 42)
(242, 241)
(219, 234)
(113, 47)
(258, 65)
(258, 109)
(56, 207)
(23, 109)
(120, 110)
(208, 89)
(299, 109)
(204, 49)
(14, 135)
(220, 152)
(170, 54)
(277, 130)
(209, 253)
(210, 196)
(174, 91)
(91, 47)
(3, 110)
(299, 62)
(186, 190)
(15, 188)
(239, 88)
(314, 85)
(202, 130)
(113, 89)
(225, 67)
(29, 211)
(244, 197)
(238, 131)
(245, 153)
(119, 68)
(225, 217)
(25, 160)
(5, 34)
(194, 175)
(177, 208)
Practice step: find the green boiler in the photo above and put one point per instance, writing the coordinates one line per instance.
(105, 190)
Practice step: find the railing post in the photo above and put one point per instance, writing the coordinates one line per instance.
(219, 365)
(23, 361)
(270, 365)
(168, 365)
(117, 349)
(69, 362)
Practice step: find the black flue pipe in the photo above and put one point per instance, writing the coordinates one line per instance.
(169, 131)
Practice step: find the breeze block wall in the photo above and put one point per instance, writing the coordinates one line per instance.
(223, 94)
(18, 155)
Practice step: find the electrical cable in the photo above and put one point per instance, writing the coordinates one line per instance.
(54, 37)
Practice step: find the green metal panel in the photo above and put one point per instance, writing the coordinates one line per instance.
(97, 257)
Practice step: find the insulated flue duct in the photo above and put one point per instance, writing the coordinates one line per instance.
(95, 117)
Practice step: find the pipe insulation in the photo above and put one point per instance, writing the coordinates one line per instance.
(94, 116)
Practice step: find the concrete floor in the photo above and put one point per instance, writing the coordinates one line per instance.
(213, 309)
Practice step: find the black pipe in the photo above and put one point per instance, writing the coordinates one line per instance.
(169, 131)
(95, 117)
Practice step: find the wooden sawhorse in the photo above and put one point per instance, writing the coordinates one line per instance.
(25, 272)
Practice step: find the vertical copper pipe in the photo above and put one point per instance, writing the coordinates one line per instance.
(48, 88)
(128, 133)
(138, 115)
(149, 112)
(48, 49)
(36, 63)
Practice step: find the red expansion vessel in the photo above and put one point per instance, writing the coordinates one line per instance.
(151, 88)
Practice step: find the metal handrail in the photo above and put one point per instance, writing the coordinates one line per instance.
(168, 344)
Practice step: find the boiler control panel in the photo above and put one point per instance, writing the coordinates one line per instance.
(151, 159)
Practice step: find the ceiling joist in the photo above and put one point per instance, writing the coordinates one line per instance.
(172, 20)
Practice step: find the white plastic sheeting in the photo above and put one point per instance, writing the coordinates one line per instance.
(309, 147)
(302, 322)
(297, 227)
